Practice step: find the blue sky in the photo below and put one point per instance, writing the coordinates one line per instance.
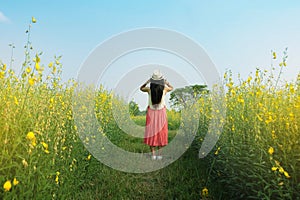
(237, 35)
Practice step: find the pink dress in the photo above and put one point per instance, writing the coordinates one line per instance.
(156, 130)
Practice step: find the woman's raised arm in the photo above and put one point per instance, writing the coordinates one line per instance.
(144, 88)
(169, 86)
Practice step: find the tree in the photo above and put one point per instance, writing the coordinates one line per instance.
(133, 108)
(181, 97)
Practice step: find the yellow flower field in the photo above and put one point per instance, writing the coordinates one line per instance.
(42, 157)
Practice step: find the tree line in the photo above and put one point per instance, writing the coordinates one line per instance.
(179, 98)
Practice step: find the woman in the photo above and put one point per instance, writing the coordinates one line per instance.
(156, 131)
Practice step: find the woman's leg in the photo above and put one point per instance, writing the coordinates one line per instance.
(159, 150)
(152, 148)
(159, 157)
(153, 157)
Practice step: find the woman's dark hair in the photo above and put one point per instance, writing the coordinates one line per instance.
(157, 88)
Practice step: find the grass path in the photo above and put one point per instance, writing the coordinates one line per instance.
(182, 179)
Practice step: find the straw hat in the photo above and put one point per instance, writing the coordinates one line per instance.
(157, 75)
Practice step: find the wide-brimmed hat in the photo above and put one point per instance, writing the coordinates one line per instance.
(157, 75)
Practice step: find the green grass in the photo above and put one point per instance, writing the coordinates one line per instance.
(183, 179)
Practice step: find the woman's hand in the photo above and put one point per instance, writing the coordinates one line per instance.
(167, 83)
(170, 87)
(144, 88)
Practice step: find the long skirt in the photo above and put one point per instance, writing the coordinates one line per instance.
(156, 130)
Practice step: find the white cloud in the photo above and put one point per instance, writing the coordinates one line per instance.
(3, 18)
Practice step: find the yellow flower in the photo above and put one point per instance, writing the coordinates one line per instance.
(271, 150)
(217, 151)
(270, 119)
(15, 181)
(24, 162)
(33, 143)
(56, 178)
(256, 73)
(274, 168)
(229, 85)
(53, 70)
(45, 145)
(273, 134)
(89, 157)
(37, 58)
(30, 136)
(33, 20)
(7, 186)
(286, 174)
(281, 170)
(274, 55)
(28, 70)
(204, 192)
(31, 81)
(46, 151)
(37, 66)
(292, 89)
(50, 64)
(4, 67)
(240, 99)
(249, 79)
(16, 101)
(1, 75)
